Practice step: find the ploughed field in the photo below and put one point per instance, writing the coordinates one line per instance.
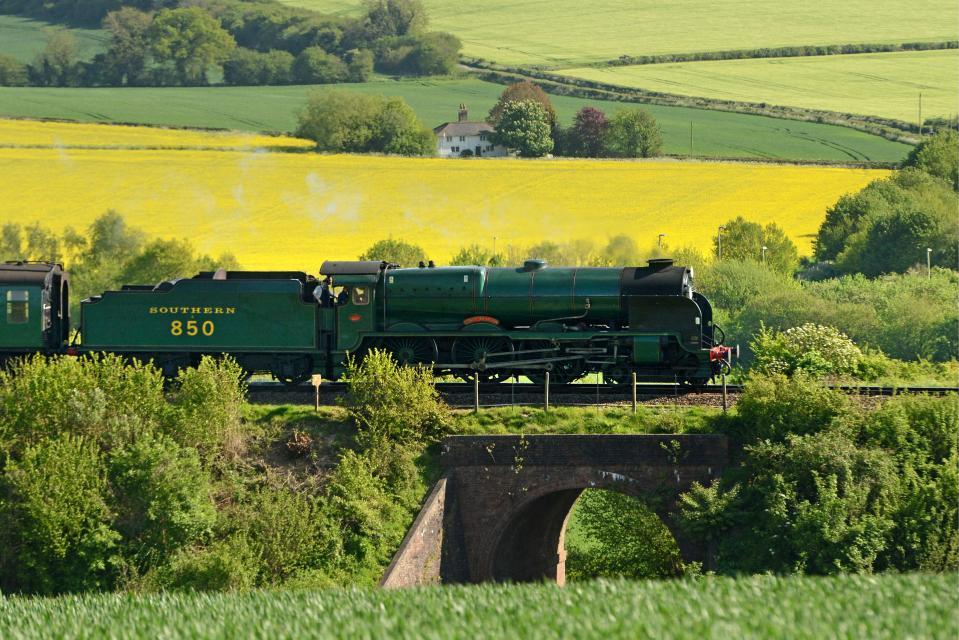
(715, 133)
(292, 210)
(884, 606)
(877, 84)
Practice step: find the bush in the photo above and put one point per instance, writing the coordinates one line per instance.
(13, 73)
(207, 407)
(162, 498)
(316, 66)
(225, 565)
(937, 155)
(99, 397)
(390, 403)
(56, 530)
(814, 349)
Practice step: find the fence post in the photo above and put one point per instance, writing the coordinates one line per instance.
(476, 392)
(634, 392)
(546, 393)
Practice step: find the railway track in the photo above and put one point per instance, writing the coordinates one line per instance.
(461, 393)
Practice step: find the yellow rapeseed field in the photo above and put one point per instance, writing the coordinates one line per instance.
(293, 210)
(69, 134)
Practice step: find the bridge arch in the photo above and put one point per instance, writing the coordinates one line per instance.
(500, 512)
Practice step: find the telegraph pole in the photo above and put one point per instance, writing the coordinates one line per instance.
(928, 262)
(719, 243)
(920, 114)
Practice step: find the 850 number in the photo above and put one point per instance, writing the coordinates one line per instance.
(192, 328)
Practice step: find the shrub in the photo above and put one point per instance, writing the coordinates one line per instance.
(93, 396)
(316, 66)
(56, 530)
(207, 406)
(814, 349)
(391, 403)
(162, 497)
(225, 565)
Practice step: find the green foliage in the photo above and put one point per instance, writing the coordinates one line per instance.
(390, 403)
(525, 127)
(126, 60)
(395, 251)
(225, 565)
(744, 240)
(938, 155)
(315, 66)
(633, 133)
(162, 498)
(192, 40)
(588, 135)
(707, 513)
(612, 535)
(207, 407)
(475, 254)
(247, 67)
(345, 121)
(814, 349)
(519, 92)
(56, 534)
(56, 65)
(889, 225)
(386, 18)
(13, 73)
(97, 397)
(774, 407)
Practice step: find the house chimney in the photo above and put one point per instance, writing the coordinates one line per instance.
(463, 113)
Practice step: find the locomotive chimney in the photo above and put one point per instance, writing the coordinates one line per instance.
(463, 113)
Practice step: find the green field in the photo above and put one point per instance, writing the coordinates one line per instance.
(881, 84)
(890, 606)
(715, 133)
(571, 32)
(24, 38)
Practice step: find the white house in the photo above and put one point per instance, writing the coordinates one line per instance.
(465, 138)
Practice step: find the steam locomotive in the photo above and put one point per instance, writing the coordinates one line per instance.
(465, 321)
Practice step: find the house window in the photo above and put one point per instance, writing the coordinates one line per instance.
(483, 137)
(489, 147)
(455, 149)
(462, 138)
(18, 307)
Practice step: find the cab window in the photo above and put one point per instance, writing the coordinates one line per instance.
(18, 307)
(361, 295)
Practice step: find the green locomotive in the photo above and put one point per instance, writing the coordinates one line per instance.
(490, 323)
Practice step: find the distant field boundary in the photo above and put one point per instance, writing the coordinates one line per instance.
(738, 54)
(888, 128)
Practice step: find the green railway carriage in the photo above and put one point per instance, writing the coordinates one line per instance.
(36, 308)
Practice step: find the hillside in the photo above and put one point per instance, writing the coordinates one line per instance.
(23, 38)
(883, 84)
(566, 32)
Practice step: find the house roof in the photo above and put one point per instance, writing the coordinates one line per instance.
(463, 128)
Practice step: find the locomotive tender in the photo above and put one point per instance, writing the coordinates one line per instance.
(467, 321)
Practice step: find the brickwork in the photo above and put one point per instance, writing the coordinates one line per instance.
(506, 499)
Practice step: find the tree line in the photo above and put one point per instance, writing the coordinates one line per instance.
(525, 122)
(164, 43)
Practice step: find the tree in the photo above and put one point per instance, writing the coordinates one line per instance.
(246, 67)
(474, 254)
(587, 137)
(938, 155)
(634, 133)
(517, 92)
(386, 18)
(744, 240)
(56, 65)
(347, 121)
(396, 251)
(192, 40)
(433, 54)
(13, 73)
(316, 66)
(360, 66)
(524, 126)
(397, 130)
(129, 44)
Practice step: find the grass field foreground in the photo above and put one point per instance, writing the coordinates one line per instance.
(879, 84)
(292, 210)
(33, 133)
(534, 32)
(889, 606)
(715, 133)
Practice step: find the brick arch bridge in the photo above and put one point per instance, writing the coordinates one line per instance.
(500, 510)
